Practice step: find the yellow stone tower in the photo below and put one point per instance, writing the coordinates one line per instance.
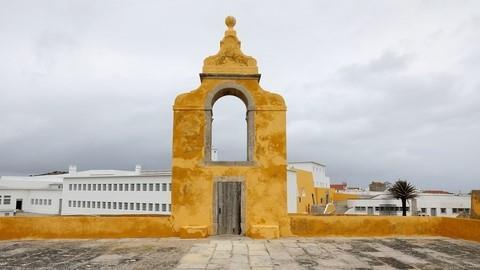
(218, 197)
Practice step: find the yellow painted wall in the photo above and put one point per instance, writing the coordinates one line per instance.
(85, 227)
(338, 196)
(475, 208)
(370, 226)
(306, 191)
(193, 178)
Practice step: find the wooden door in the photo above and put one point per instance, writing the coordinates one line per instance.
(229, 206)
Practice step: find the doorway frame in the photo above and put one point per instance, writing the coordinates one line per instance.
(243, 209)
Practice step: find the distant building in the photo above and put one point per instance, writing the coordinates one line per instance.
(318, 170)
(339, 187)
(377, 186)
(448, 205)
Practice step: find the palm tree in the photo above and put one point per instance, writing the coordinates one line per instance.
(403, 190)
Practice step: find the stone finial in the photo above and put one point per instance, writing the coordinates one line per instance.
(230, 21)
(230, 59)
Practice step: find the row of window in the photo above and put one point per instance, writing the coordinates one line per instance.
(380, 208)
(6, 199)
(121, 206)
(422, 210)
(41, 201)
(121, 187)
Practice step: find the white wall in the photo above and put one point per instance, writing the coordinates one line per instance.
(318, 172)
(49, 200)
(292, 191)
(149, 202)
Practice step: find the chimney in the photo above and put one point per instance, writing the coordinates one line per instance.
(214, 154)
(138, 169)
(72, 169)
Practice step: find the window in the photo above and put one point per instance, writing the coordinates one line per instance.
(137, 206)
(74, 186)
(93, 204)
(114, 187)
(150, 207)
(0, 199)
(114, 205)
(99, 187)
(98, 204)
(40, 201)
(144, 207)
(169, 186)
(144, 187)
(88, 204)
(126, 187)
(424, 210)
(125, 206)
(32, 201)
(104, 205)
(49, 201)
(360, 208)
(120, 205)
(157, 187)
(443, 210)
(84, 187)
(164, 207)
(131, 205)
(94, 187)
(120, 187)
(157, 207)
(150, 187)
(79, 187)
(164, 186)
(104, 187)
(138, 187)
(74, 203)
(69, 186)
(44, 201)
(69, 203)
(89, 187)
(109, 205)
(36, 201)
(454, 210)
(132, 187)
(83, 204)
(78, 203)
(109, 187)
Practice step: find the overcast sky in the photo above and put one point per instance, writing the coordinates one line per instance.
(376, 90)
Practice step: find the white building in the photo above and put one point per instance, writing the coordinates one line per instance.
(94, 192)
(320, 179)
(113, 192)
(35, 194)
(448, 205)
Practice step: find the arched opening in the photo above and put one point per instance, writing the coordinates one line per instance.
(229, 129)
(233, 138)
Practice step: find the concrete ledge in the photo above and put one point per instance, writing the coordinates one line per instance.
(264, 231)
(188, 232)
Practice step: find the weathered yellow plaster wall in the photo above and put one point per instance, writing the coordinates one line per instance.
(62, 227)
(363, 226)
(324, 195)
(370, 226)
(264, 178)
(338, 196)
(475, 208)
(468, 229)
(306, 191)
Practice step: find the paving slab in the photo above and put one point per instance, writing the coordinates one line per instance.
(242, 253)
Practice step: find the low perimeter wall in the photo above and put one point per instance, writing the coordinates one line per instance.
(306, 226)
(85, 227)
(365, 226)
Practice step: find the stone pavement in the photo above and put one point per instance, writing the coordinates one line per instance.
(333, 253)
(242, 253)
